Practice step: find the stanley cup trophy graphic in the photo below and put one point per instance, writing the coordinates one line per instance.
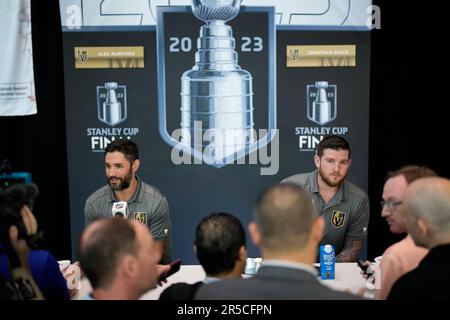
(216, 94)
(111, 110)
(321, 111)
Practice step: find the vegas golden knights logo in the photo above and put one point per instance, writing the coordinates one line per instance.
(82, 56)
(141, 217)
(338, 218)
(294, 54)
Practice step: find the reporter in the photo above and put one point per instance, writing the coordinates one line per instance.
(426, 205)
(220, 247)
(403, 256)
(119, 258)
(21, 274)
(18, 227)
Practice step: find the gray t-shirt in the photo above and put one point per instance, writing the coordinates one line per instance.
(346, 215)
(147, 205)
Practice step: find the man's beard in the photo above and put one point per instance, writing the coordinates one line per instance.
(123, 183)
(328, 182)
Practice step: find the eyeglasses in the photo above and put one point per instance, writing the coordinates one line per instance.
(391, 204)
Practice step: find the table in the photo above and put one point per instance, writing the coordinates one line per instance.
(347, 277)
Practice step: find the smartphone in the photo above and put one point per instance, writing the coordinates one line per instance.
(174, 267)
(362, 265)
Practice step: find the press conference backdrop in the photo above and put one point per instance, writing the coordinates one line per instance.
(304, 73)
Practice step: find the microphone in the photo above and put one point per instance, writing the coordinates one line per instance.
(120, 209)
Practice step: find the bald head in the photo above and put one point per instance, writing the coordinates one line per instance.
(428, 200)
(284, 214)
(90, 232)
(102, 245)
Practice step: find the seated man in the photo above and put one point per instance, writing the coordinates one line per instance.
(288, 230)
(343, 205)
(144, 202)
(220, 249)
(118, 257)
(426, 205)
(403, 256)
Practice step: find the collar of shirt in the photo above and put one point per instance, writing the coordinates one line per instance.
(208, 280)
(137, 196)
(289, 264)
(314, 187)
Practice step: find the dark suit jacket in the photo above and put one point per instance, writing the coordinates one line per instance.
(180, 291)
(272, 283)
(430, 280)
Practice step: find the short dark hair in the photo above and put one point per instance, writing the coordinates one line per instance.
(218, 239)
(128, 147)
(100, 254)
(411, 173)
(284, 214)
(333, 142)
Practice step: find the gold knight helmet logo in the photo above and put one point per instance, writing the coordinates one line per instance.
(141, 217)
(82, 56)
(294, 55)
(338, 218)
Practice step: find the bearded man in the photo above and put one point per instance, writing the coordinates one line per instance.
(343, 205)
(145, 203)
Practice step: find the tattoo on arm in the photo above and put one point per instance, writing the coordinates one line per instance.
(350, 251)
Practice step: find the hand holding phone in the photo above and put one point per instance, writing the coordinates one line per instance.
(364, 264)
(174, 267)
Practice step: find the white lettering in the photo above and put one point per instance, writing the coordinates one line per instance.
(226, 147)
(308, 142)
(374, 19)
(204, 311)
(73, 21)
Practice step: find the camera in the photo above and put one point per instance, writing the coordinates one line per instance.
(12, 199)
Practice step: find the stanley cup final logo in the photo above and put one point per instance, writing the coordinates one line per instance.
(321, 102)
(112, 103)
(216, 108)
